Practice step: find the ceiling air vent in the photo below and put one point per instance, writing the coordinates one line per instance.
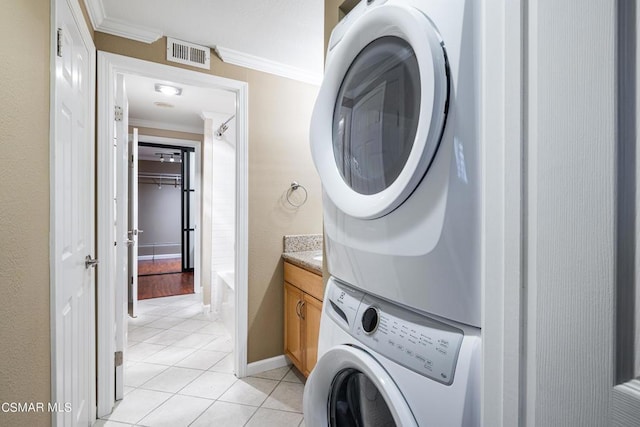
(188, 53)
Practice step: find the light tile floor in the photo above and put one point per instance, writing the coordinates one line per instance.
(179, 372)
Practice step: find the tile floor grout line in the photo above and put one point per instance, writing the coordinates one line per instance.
(202, 413)
(172, 346)
(148, 413)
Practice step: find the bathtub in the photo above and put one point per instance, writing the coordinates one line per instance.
(223, 299)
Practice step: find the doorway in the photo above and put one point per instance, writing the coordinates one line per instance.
(109, 68)
(168, 215)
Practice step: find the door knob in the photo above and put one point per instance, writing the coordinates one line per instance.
(90, 262)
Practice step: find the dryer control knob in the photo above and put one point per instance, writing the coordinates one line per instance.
(370, 320)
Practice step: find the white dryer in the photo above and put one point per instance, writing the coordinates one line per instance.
(380, 364)
(395, 140)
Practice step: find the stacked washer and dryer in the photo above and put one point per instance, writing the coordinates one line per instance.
(395, 140)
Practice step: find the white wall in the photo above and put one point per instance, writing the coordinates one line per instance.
(224, 200)
(223, 221)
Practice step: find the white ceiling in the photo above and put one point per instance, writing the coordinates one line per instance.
(286, 32)
(187, 110)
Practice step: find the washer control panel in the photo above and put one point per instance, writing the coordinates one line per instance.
(344, 303)
(417, 342)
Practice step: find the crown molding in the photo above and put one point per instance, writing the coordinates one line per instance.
(116, 27)
(166, 126)
(120, 28)
(253, 62)
(95, 9)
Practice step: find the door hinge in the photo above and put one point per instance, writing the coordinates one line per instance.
(118, 358)
(59, 42)
(132, 280)
(118, 114)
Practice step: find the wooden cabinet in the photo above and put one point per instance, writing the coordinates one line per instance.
(293, 324)
(302, 310)
(312, 312)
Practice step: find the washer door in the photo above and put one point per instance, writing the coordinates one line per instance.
(349, 388)
(381, 110)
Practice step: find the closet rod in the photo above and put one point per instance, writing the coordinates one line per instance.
(160, 175)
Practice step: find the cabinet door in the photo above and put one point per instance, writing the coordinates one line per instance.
(293, 324)
(312, 310)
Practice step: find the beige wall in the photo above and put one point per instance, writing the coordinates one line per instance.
(279, 115)
(168, 133)
(332, 15)
(24, 208)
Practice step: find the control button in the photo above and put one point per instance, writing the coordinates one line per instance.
(370, 320)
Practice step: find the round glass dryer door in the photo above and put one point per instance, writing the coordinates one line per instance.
(375, 117)
(381, 110)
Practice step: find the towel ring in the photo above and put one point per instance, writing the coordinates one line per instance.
(294, 186)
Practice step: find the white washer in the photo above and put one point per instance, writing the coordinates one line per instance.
(380, 364)
(395, 140)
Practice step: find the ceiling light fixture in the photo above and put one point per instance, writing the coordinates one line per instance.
(168, 89)
(161, 157)
(171, 159)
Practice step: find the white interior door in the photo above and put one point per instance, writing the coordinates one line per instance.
(133, 223)
(73, 209)
(121, 200)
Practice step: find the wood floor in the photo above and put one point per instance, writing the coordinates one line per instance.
(163, 278)
(159, 266)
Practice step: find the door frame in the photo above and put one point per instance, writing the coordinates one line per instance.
(197, 146)
(503, 207)
(518, 297)
(109, 65)
(54, 237)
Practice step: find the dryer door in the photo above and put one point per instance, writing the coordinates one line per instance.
(348, 388)
(381, 110)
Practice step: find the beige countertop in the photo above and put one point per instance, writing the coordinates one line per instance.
(305, 259)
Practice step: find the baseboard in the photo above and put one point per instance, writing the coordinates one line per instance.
(162, 256)
(206, 308)
(267, 364)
